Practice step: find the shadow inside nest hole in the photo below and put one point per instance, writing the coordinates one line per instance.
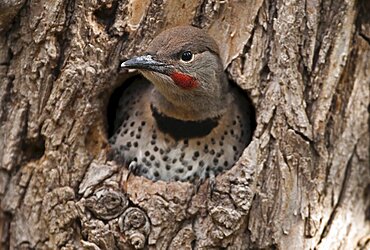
(113, 103)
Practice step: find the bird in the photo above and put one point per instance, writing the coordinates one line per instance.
(186, 122)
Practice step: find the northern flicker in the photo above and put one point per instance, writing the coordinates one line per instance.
(188, 123)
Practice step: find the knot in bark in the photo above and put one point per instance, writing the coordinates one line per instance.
(134, 224)
(137, 240)
(107, 203)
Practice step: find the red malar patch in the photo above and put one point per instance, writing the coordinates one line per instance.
(184, 81)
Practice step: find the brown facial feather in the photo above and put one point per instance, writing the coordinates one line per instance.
(178, 39)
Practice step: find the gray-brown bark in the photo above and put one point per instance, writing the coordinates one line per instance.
(302, 183)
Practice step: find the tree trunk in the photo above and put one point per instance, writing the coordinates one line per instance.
(302, 183)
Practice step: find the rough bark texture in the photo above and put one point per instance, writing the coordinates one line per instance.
(302, 183)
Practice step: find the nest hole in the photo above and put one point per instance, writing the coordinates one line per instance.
(146, 163)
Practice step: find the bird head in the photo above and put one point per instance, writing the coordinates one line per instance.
(184, 65)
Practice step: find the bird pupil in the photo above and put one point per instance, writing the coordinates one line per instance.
(186, 56)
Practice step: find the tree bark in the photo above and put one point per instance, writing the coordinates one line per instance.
(302, 183)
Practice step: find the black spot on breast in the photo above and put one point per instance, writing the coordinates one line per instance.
(213, 141)
(215, 161)
(195, 155)
(206, 149)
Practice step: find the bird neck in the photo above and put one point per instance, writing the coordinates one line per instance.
(190, 108)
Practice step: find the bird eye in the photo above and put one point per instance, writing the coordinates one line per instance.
(187, 56)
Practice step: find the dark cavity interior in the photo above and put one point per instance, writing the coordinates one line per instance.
(114, 100)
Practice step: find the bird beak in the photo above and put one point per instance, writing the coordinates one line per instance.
(146, 63)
